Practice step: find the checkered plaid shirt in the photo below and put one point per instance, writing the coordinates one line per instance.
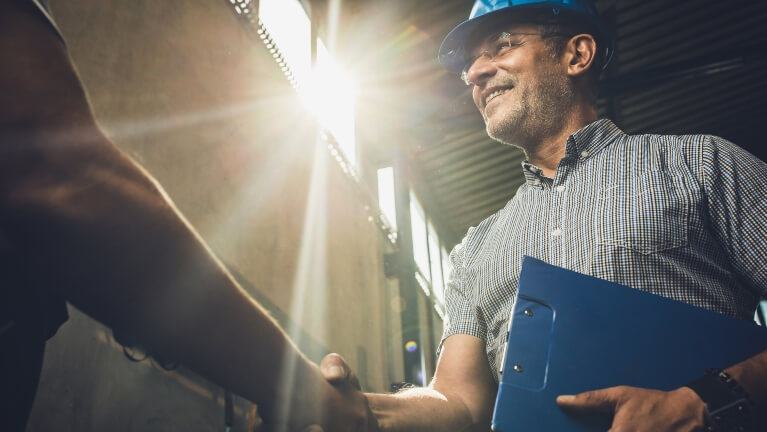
(684, 217)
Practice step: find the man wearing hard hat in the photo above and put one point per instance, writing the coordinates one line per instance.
(679, 216)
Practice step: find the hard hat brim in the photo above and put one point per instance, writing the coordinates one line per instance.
(452, 53)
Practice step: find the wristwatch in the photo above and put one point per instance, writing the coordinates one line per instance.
(729, 407)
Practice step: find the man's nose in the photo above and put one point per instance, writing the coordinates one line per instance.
(482, 69)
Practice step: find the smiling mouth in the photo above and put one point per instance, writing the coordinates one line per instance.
(495, 94)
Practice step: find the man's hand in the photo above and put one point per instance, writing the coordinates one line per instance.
(341, 376)
(348, 413)
(637, 409)
(338, 373)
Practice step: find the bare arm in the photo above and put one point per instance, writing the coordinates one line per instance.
(101, 232)
(459, 398)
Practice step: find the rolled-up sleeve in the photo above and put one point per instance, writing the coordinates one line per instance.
(460, 302)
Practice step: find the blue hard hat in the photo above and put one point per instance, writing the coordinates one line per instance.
(453, 54)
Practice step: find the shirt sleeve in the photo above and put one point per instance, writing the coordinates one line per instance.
(735, 188)
(460, 304)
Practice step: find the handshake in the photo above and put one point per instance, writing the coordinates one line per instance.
(344, 409)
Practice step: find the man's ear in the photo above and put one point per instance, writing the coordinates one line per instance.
(580, 54)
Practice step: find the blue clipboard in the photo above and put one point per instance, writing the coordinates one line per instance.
(571, 333)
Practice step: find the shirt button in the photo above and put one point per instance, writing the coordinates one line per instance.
(559, 188)
(557, 232)
(584, 153)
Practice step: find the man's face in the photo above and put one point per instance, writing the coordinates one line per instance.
(522, 92)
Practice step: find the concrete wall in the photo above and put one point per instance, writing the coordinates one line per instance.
(181, 87)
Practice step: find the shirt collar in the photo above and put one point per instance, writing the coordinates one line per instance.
(582, 144)
(532, 173)
(591, 138)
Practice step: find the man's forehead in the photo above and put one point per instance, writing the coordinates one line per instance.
(490, 32)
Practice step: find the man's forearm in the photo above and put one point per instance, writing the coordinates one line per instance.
(459, 398)
(80, 218)
(424, 410)
(90, 225)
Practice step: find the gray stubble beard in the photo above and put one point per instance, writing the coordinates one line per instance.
(537, 115)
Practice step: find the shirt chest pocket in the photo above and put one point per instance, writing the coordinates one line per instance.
(646, 214)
